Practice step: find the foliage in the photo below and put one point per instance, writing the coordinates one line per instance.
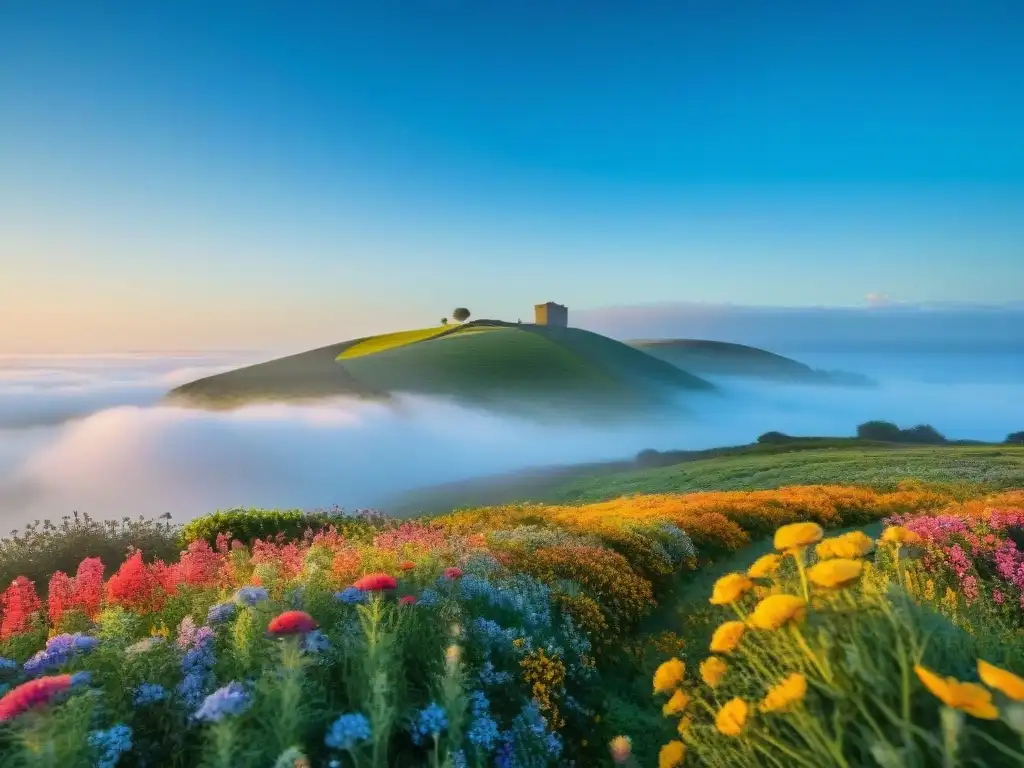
(1015, 438)
(248, 525)
(460, 314)
(42, 548)
(888, 432)
(774, 437)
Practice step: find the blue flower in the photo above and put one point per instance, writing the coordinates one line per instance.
(431, 721)
(6, 663)
(347, 731)
(197, 665)
(491, 676)
(459, 760)
(232, 699)
(111, 744)
(428, 598)
(484, 731)
(149, 693)
(350, 596)
(251, 595)
(58, 650)
(315, 641)
(220, 613)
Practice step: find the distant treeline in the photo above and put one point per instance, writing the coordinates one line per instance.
(887, 432)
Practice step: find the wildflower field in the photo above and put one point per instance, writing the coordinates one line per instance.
(520, 636)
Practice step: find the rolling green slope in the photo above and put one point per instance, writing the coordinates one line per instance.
(719, 358)
(516, 367)
(740, 468)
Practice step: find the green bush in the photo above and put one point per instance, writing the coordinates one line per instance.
(247, 525)
(43, 548)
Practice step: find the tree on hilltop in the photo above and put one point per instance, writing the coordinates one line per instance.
(1015, 438)
(444, 321)
(460, 314)
(884, 431)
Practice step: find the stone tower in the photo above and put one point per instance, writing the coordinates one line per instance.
(551, 313)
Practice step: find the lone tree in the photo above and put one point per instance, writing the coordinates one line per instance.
(444, 321)
(460, 314)
(885, 431)
(1015, 438)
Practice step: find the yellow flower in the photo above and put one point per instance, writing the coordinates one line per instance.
(713, 669)
(900, 536)
(727, 637)
(684, 725)
(621, 748)
(671, 755)
(730, 588)
(790, 691)
(676, 705)
(797, 536)
(669, 676)
(775, 610)
(1001, 680)
(833, 574)
(764, 567)
(967, 697)
(732, 718)
(852, 544)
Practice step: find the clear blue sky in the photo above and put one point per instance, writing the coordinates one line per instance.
(244, 173)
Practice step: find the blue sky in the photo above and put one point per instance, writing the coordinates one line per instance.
(194, 174)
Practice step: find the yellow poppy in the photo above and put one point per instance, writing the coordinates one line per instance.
(852, 544)
(899, 535)
(999, 679)
(671, 755)
(776, 610)
(797, 536)
(732, 718)
(730, 588)
(727, 637)
(833, 574)
(764, 567)
(713, 669)
(967, 697)
(684, 725)
(786, 693)
(676, 705)
(669, 676)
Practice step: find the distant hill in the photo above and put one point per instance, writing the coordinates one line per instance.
(517, 367)
(720, 358)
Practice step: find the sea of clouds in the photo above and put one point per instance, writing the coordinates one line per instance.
(88, 433)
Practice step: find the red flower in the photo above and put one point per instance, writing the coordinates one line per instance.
(373, 582)
(407, 600)
(407, 565)
(89, 586)
(19, 602)
(134, 586)
(34, 693)
(452, 573)
(60, 596)
(291, 623)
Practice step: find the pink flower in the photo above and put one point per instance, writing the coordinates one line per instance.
(407, 600)
(32, 694)
(452, 573)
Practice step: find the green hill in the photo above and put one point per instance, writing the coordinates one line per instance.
(757, 466)
(720, 358)
(516, 367)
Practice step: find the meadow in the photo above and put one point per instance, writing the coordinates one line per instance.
(527, 635)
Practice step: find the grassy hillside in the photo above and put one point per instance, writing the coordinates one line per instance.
(719, 358)
(741, 468)
(499, 365)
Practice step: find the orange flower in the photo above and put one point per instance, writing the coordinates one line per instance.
(999, 679)
(788, 692)
(669, 676)
(291, 623)
(765, 567)
(966, 697)
(796, 536)
(676, 705)
(406, 565)
(850, 545)
(730, 588)
(834, 574)
(671, 755)
(732, 718)
(621, 748)
(727, 637)
(713, 669)
(776, 610)
(900, 536)
(375, 582)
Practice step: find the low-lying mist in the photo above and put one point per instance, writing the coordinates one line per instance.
(89, 434)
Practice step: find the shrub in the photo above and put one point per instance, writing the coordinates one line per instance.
(774, 438)
(1015, 438)
(248, 525)
(922, 433)
(460, 314)
(42, 548)
(884, 431)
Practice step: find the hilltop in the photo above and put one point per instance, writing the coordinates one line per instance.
(524, 367)
(719, 358)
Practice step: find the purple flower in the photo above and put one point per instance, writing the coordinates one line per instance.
(251, 595)
(220, 613)
(232, 699)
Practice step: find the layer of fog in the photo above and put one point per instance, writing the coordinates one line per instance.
(123, 453)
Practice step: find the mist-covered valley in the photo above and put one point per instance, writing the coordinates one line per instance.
(89, 433)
